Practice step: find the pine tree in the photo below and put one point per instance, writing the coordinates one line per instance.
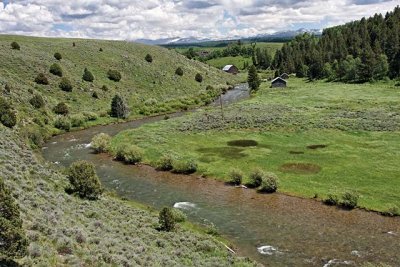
(118, 108)
(87, 76)
(252, 79)
(13, 241)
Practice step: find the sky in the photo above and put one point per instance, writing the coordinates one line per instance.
(156, 19)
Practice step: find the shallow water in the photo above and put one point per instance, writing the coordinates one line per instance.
(276, 230)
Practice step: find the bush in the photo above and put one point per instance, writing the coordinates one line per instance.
(87, 75)
(104, 88)
(179, 216)
(179, 71)
(235, 177)
(349, 200)
(331, 200)
(41, 79)
(57, 56)
(83, 180)
(65, 85)
(269, 183)
(101, 49)
(149, 58)
(62, 123)
(114, 75)
(118, 108)
(61, 109)
(101, 143)
(166, 219)
(184, 166)
(37, 101)
(130, 154)
(256, 178)
(8, 118)
(95, 95)
(165, 163)
(90, 116)
(8, 87)
(198, 78)
(35, 138)
(15, 46)
(13, 241)
(56, 70)
(77, 120)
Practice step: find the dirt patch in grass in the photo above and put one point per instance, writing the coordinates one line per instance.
(300, 168)
(242, 143)
(293, 152)
(223, 152)
(316, 146)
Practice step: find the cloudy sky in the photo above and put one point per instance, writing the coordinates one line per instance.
(153, 19)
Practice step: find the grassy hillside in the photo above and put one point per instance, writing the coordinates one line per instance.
(64, 230)
(319, 138)
(148, 88)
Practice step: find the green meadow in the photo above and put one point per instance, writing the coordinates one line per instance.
(319, 138)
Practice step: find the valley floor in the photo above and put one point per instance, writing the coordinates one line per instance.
(319, 138)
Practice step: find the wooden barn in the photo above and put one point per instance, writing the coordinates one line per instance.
(231, 69)
(285, 76)
(278, 82)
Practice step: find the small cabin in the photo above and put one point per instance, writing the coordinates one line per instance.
(285, 76)
(278, 82)
(231, 69)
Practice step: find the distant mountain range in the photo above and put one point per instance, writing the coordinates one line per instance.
(285, 35)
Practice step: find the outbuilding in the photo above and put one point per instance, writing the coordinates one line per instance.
(231, 69)
(278, 82)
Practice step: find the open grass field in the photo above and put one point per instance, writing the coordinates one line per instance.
(319, 138)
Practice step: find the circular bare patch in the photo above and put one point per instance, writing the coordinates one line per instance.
(300, 168)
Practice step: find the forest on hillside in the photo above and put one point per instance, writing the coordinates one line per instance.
(359, 51)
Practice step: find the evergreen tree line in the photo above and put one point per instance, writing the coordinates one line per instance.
(359, 51)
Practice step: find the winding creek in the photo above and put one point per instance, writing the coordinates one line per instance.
(276, 230)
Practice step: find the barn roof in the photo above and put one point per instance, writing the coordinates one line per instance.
(227, 67)
(277, 79)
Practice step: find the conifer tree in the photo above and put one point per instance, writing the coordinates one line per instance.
(87, 76)
(118, 108)
(252, 79)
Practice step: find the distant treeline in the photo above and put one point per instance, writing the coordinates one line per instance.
(359, 51)
(229, 42)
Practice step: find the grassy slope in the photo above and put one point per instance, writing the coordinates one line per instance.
(359, 123)
(65, 230)
(140, 80)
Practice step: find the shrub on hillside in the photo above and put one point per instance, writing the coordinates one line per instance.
(104, 88)
(95, 95)
(41, 79)
(37, 101)
(8, 118)
(235, 177)
(349, 200)
(83, 180)
(149, 58)
(130, 154)
(269, 183)
(61, 109)
(179, 71)
(184, 166)
(8, 87)
(256, 177)
(62, 123)
(101, 143)
(65, 85)
(90, 116)
(87, 75)
(166, 219)
(198, 78)
(179, 216)
(56, 70)
(13, 241)
(35, 138)
(57, 56)
(118, 108)
(114, 75)
(15, 46)
(101, 49)
(165, 163)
